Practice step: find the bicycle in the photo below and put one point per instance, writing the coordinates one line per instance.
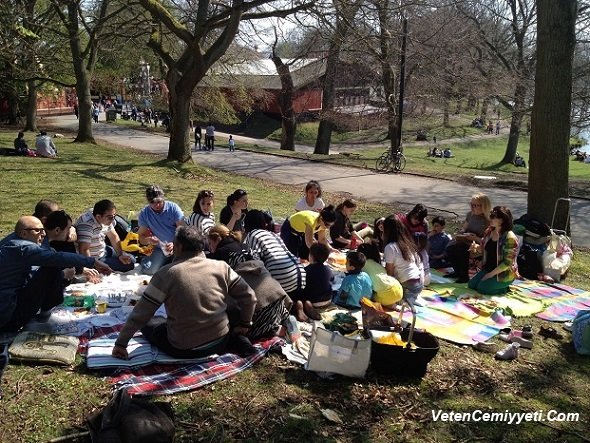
(391, 162)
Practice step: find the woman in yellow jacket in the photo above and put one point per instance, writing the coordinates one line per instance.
(299, 231)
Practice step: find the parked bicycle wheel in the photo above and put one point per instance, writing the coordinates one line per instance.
(399, 163)
(383, 163)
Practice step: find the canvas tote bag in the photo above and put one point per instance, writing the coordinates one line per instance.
(332, 352)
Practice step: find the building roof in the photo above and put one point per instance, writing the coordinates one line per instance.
(262, 74)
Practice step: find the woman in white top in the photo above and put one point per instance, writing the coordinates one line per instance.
(313, 198)
(202, 217)
(401, 258)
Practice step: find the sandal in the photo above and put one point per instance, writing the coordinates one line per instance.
(549, 332)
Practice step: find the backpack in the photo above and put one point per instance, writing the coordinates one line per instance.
(581, 332)
(131, 420)
(536, 232)
(529, 261)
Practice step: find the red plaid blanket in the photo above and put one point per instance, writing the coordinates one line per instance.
(170, 379)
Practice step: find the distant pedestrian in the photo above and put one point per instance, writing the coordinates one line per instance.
(76, 110)
(434, 139)
(497, 128)
(210, 137)
(95, 113)
(198, 136)
(232, 143)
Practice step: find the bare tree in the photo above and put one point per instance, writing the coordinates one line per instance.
(506, 30)
(344, 15)
(85, 29)
(205, 30)
(549, 155)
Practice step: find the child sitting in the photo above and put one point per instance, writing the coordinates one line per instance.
(357, 284)
(438, 240)
(386, 289)
(318, 279)
(422, 242)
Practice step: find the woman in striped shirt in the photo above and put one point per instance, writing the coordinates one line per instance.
(282, 264)
(202, 217)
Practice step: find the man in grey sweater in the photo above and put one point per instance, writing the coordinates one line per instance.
(195, 292)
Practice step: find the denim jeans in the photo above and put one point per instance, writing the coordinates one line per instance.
(412, 289)
(151, 263)
(111, 259)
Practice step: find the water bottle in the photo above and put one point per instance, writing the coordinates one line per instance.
(132, 217)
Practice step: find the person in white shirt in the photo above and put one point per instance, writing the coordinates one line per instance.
(45, 146)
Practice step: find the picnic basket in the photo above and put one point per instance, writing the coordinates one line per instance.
(410, 360)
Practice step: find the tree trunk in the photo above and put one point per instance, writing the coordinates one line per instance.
(549, 160)
(446, 105)
(84, 105)
(347, 11)
(31, 123)
(13, 109)
(324, 137)
(515, 123)
(179, 103)
(288, 120)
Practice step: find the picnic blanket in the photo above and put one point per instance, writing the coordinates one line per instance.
(452, 320)
(168, 379)
(165, 379)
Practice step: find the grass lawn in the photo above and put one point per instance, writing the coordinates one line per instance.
(276, 400)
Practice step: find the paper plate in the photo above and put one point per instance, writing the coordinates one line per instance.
(104, 321)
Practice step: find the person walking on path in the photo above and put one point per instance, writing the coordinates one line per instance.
(210, 137)
(198, 136)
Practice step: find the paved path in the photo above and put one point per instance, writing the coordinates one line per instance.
(440, 195)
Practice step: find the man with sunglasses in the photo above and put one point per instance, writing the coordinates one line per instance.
(157, 225)
(31, 276)
(93, 227)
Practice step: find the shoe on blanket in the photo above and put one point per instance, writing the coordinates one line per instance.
(513, 338)
(484, 346)
(510, 352)
(568, 326)
(525, 332)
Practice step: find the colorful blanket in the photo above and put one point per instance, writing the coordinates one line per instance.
(169, 379)
(454, 321)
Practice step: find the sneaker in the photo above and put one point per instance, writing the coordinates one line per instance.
(523, 342)
(527, 332)
(507, 333)
(510, 352)
(483, 346)
(568, 326)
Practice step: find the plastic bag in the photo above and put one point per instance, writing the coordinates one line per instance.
(558, 256)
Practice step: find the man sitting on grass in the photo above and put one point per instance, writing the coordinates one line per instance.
(31, 276)
(93, 227)
(195, 291)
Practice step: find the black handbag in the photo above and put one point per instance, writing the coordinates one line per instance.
(131, 420)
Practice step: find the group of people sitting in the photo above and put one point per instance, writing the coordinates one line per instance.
(229, 281)
(438, 153)
(44, 146)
